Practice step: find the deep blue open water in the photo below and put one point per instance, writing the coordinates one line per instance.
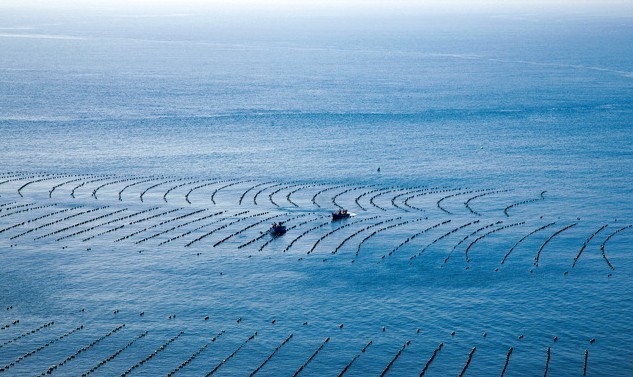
(516, 129)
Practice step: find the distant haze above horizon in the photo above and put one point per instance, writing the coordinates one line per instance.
(329, 7)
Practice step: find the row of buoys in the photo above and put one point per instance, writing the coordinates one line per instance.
(81, 177)
(185, 224)
(408, 192)
(15, 207)
(264, 234)
(270, 196)
(351, 223)
(439, 202)
(82, 184)
(584, 244)
(373, 198)
(206, 185)
(345, 192)
(151, 355)
(247, 228)
(202, 227)
(314, 197)
(541, 197)
(13, 323)
(38, 349)
(359, 197)
(37, 218)
(86, 222)
(264, 189)
(507, 362)
(60, 221)
(81, 223)
(314, 354)
(349, 364)
(288, 229)
(253, 188)
(115, 354)
(21, 178)
(179, 186)
(146, 219)
(290, 193)
(135, 184)
(468, 361)
(178, 218)
(81, 350)
(487, 234)
(434, 190)
(467, 203)
(158, 184)
(126, 217)
(340, 245)
(604, 254)
(271, 355)
(393, 360)
(438, 239)
(305, 233)
(414, 236)
(384, 229)
(549, 356)
(29, 209)
(226, 359)
(226, 186)
(110, 183)
(194, 355)
(523, 239)
(430, 360)
(540, 250)
(31, 332)
(7, 204)
(224, 227)
(467, 237)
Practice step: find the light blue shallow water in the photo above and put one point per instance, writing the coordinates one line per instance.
(532, 117)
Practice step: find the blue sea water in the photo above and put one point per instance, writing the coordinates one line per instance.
(533, 111)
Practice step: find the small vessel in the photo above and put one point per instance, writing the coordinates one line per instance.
(278, 229)
(340, 214)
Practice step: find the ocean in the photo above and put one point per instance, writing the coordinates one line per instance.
(487, 162)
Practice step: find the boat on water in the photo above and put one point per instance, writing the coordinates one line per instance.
(340, 214)
(278, 229)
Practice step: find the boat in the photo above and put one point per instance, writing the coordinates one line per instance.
(340, 214)
(278, 229)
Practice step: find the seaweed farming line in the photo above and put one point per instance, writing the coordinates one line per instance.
(540, 250)
(94, 192)
(358, 198)
(338, 229)
(99, 225)
(114, 355)
(292, 227)
(226, 186)
(184, 224)
(252, 188)
(384, 229)
(40, 348)
(284, 342)
(226, 359)
(158, 184)
(13, 323)
(247, 228)
(547, 360)
(584, 244)
(393, 360)
(82, 184)
(430, 360)
(264, 234)
(541, 197)
(50, 192)
(351, 362)
(471, 210)
(604, 254)
(136, 184)
(314, 354)
(59, 221)
(81, 350)
(439, 202)
(505, 365)
(487, 234)
(39, 218)
(206, 185)
(270, 196)
(411, 238)
(340, 245)
(29, 209)
(166, 222)
(468, 361)
(468, 236)
(264, 189)
(31, 332)
(80, 224)
(442, 237)
(324, 190)
(202, 227)
(523, 239)
(224, 227)
(151, 355)
(191, 182)
(15, 207)
(117, 220)
(345, 192)
(431, 191)
(410, 191)
(305, 233)
(194, 355)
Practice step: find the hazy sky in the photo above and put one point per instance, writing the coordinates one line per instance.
(324, 5)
